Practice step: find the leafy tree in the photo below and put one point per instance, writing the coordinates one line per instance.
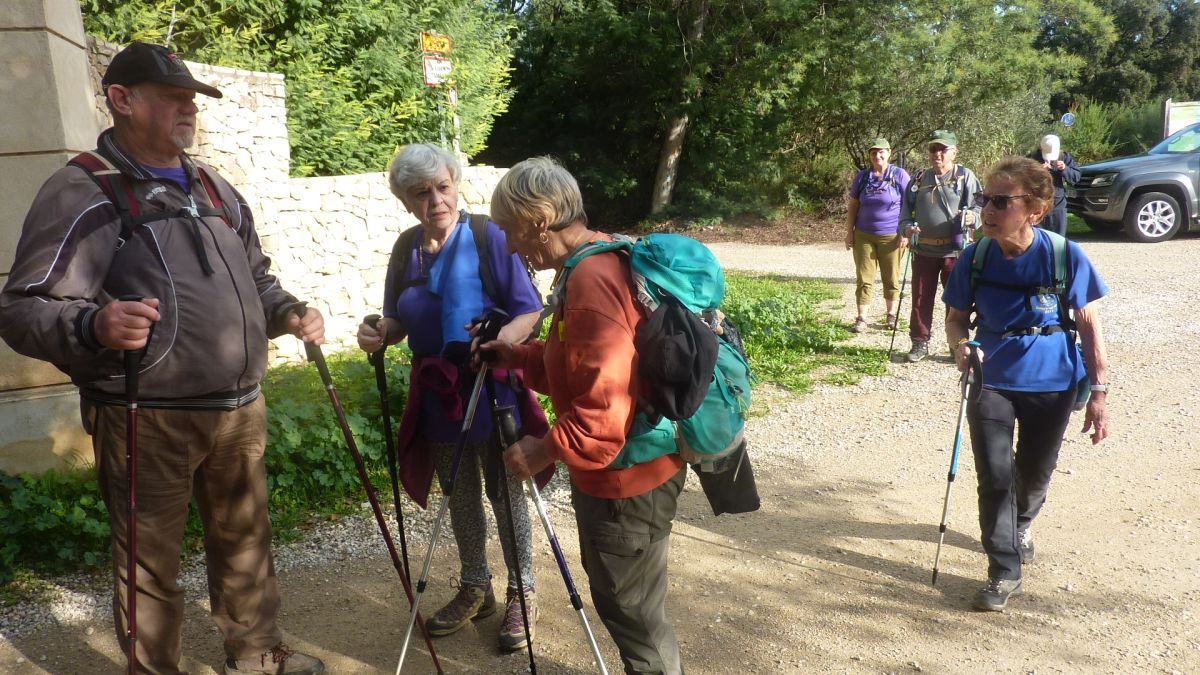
(1156, 54)
(774, 94)
(353, 67)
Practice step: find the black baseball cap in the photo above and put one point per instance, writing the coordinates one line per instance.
(142, 62)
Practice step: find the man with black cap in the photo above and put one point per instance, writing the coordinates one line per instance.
(939, 212)
(139, 218)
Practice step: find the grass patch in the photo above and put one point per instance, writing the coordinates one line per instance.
(791, 339)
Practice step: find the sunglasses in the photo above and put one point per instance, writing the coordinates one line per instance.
(998, 202)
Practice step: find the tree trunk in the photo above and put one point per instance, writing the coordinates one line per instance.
(672, 146)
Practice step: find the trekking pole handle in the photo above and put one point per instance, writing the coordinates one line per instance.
(489, 326)
(133, 357)
(311, 351)
(376, 357)
(506, 425)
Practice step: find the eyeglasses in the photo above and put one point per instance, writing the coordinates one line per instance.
(998, 202)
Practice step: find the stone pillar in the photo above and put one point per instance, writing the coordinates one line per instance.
(47, 107)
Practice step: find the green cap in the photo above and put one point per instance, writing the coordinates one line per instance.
(880, 142)
(943, 137)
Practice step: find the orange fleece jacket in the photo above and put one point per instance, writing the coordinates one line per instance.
(588, 366)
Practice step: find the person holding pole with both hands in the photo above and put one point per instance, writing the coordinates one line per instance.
(443, 273)
(138, 217)
(1031, 294)
(623, 507)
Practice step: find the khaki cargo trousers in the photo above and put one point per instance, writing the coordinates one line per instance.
(215, 456)
(624, 544)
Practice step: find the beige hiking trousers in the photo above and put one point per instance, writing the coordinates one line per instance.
(215, 456)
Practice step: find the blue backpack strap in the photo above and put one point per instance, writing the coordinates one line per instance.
(862, 176)
(1060, 265)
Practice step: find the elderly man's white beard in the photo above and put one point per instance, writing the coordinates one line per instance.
(183, 141)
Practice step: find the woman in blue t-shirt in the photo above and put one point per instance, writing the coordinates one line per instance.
(1031, 364)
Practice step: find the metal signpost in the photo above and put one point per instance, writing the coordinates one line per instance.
(437, 67)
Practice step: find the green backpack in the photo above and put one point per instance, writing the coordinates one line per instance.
(666, 268)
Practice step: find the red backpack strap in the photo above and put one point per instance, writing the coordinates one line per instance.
(112, 183)
(214, 197)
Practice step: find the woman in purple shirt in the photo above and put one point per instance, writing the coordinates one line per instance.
(434, 287)
(874, 205)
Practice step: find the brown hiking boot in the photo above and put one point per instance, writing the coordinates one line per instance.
(279, 660)
(473, 601)
(512, 629)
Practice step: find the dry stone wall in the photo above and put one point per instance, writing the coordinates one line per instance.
(329, 238)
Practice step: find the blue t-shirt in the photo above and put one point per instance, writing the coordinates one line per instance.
(177, 174)
(420, 313)
(1032, 363)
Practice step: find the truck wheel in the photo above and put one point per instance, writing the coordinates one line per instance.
(1153, 217)
(1102, 225)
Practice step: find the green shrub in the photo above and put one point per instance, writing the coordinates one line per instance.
(57, 521)
(790, 340)
(54, 521)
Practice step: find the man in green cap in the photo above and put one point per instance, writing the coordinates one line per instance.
(938, 215)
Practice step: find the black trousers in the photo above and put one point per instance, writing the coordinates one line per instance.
(1056, 219)
(1013, 485)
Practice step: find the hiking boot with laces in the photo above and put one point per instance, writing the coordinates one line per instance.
(994, 597)
(512, 629)
(473, 601)
(919, 351)
(278, 660)
(1025, 545)
(860, 324)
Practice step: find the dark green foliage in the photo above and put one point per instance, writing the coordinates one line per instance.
(1156, 54)
(780, 94)
(57, 521)
(355, 89)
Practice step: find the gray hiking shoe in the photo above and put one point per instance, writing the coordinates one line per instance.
(919, 351)
(473, 601)
(1025, 545)
(512, 629)
(994, 597)
(279, 660)
(860, 324)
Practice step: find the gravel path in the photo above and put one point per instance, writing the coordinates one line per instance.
(833, 573)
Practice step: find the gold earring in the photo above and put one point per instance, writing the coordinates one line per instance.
(543, 238)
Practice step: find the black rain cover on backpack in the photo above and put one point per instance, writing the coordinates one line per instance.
(686, 354)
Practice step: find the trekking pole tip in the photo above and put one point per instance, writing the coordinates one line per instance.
(935, 576)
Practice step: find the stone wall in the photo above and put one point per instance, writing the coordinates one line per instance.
(329, 237)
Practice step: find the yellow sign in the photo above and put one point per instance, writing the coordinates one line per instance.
(436, 44)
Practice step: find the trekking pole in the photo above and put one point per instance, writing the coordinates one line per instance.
(565, 571)
(389, 440)
(317, 357)
(970, 376)
(505, 423)
(132, 362)
(489, 329)
(904, 282)
(900, 301)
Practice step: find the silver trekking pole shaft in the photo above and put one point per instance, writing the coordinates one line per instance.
(967, 381)
(576, 602)
(441, 514)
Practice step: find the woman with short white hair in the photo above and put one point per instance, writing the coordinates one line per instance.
(452, 267)
(626, 475)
